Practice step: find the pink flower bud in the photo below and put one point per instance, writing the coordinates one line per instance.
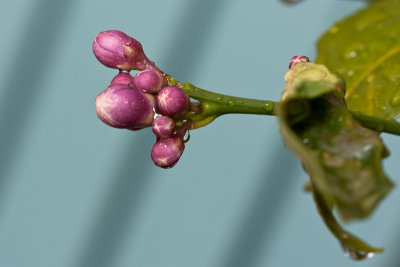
(150, 81)
(117, 50)
(163, 127)
(167, 152)
(121, 106)
(172, 101)
(297, 59)
(123, 78)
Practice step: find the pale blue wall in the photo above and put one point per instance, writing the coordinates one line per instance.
(74, 192)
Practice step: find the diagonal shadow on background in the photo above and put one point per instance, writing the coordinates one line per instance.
(131, 177)
(394, 260)
(26, 75)
(262, 216)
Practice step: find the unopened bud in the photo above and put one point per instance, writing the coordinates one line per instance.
(121, 106)
(167, 152)
(117, 50)
(163, 126)
(123, 78)
(297, 59)
(172, 101)
(150, 81)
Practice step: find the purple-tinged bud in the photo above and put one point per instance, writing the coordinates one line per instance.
(167, 152)
(163, 127)
(297, 59)
(117, 50)
(121, 106)
(172, 101)
(123, 78)
(150, 81)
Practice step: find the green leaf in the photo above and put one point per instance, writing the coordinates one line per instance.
(342, 158)
(365, 49)
(352, 245)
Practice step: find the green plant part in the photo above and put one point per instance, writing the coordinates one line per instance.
(365, 49)
(342, 158)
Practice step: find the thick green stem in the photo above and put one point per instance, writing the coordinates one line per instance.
(377, 124)
(214, 105)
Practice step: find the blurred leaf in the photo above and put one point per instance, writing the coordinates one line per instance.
(341, 157)
(365, 49)
(352, 245)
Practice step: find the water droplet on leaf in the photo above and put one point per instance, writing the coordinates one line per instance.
(334, 29)
(395, 101)
(352, 54)
(370, 78)
(356, 255)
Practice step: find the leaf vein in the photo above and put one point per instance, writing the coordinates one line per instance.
(392, 52)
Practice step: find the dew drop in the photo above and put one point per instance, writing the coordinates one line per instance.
(232, 103)
(352, 54)
(344, 235)
(350, 72)
(268, 107)
(334, 29)
(186, 138)
(356, 255)
(395, 101)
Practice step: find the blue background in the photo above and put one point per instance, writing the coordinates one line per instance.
(74, 192)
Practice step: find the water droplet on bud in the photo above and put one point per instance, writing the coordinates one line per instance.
(186, 137)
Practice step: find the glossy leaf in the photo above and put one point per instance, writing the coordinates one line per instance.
(342, 158)
(365, 49)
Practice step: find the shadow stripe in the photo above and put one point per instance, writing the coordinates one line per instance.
(262, 216)
(120, 207)
(24, 84)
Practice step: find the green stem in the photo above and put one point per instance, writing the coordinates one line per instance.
(377, 124)
(214, 105)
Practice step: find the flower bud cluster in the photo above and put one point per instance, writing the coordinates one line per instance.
(143, 100)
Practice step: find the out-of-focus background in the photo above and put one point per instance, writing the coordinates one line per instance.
(77, 193)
